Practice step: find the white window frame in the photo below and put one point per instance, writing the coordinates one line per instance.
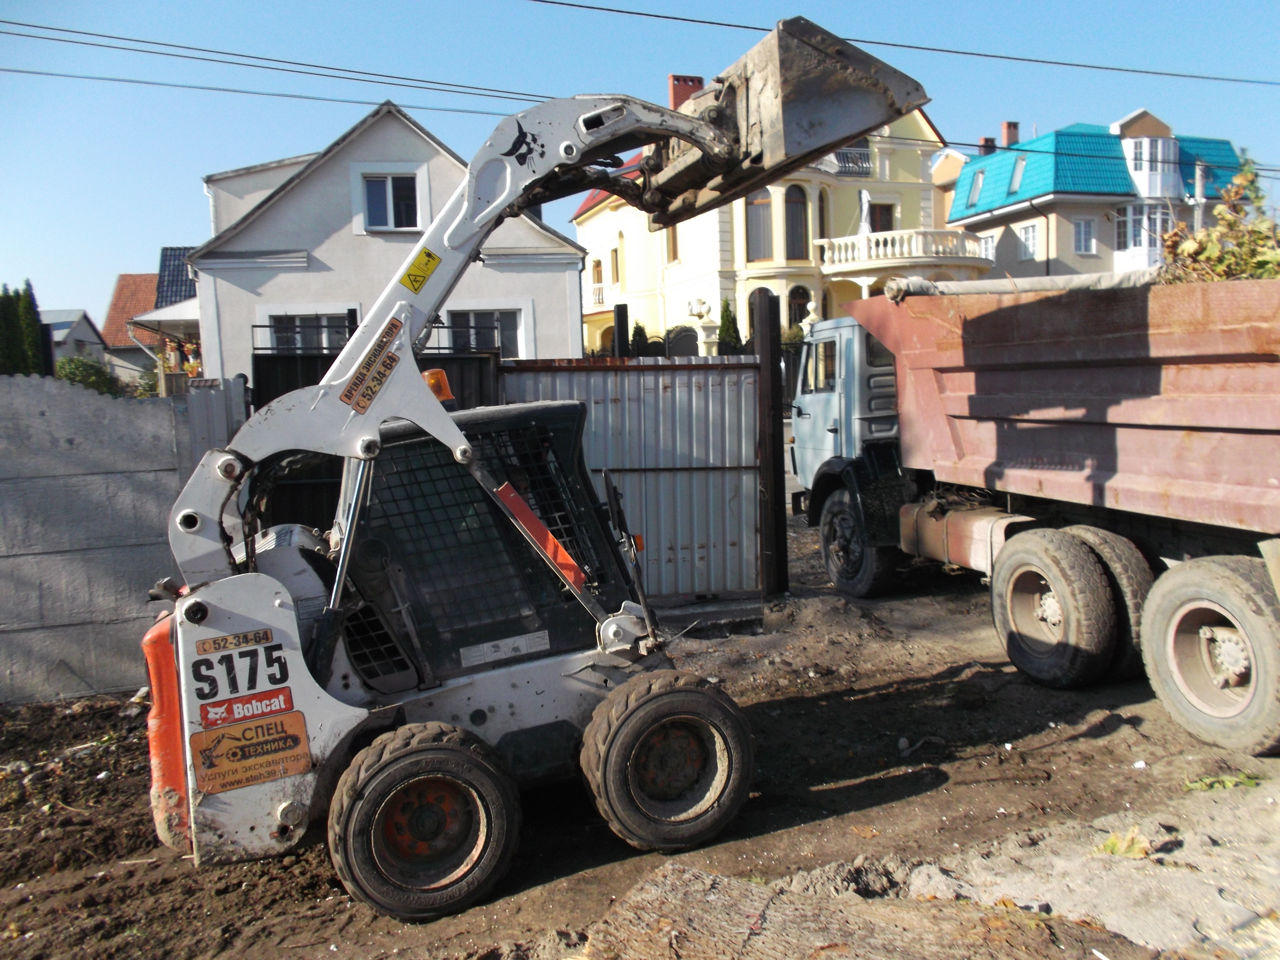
(1085, 229)
(359, 172)
(1027, 241)
(987, 247)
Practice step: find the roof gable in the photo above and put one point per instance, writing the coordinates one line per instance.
(135, 293)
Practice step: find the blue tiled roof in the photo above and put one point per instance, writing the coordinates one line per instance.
(174, 284)
(1082, 158)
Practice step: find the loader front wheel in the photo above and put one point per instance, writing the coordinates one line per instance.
(668, 758)
(424, 822)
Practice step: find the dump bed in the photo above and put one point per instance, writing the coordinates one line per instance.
(1161, 400)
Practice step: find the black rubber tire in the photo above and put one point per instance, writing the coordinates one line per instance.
(1053, 609)
(1186, 668)
(856, 568)
(668, 759)
(1130, 578)
(448, 790)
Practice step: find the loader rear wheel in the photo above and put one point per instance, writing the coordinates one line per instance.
(1053, 609)
(1211, 642)
(423, 822)
(668, 758)
(857, 568)
(1130, 578)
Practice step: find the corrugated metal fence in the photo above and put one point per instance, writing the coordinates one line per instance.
(680, 437)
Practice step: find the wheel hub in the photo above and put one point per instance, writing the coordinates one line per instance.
(669, 761)
(1229, 655)
(1049, 610)
(427, 819)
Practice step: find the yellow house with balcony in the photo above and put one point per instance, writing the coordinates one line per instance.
(833, 231)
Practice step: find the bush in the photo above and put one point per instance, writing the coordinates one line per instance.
(90, 373)
(1242, 245)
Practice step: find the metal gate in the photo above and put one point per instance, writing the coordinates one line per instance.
(680, 437)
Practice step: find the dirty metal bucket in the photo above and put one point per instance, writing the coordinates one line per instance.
(797, 95)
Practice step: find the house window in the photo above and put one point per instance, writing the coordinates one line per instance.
(482, 330)
(881, 217)
(1137, 155)
(759, 226)
(1141, 225)
(797, 210)
(597, 272)
(987, 247)
(1122, 228)
(1027, 242)
(824, 201)
(975, 187)
(1157, 225)
(312, 333)
(615, 275)
(1015, 179)
(390, 203)
(1086, 242)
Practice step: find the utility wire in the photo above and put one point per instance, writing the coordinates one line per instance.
(432, 85)
(249, 93)
(1179, 75)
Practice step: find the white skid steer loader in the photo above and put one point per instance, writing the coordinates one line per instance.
(467, 624)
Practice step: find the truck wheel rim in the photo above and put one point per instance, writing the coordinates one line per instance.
(1035, 612)
(1210, 659)
(679, 769)
(841, 542)
(429, 832)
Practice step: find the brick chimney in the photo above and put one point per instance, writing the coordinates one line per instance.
(681, 88)
(1008, 133)
(986, 146)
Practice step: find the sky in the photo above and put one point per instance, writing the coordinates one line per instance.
(96, 175)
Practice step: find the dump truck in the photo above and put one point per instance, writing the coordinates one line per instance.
(1104, 449)
(472, 620)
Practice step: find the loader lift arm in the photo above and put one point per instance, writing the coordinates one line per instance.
(797, 95)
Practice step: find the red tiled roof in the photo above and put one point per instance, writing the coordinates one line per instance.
(135, 293)
(630, 170)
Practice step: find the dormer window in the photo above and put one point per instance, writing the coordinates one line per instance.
(1015, 180)
(1137, 154)
(975, 188)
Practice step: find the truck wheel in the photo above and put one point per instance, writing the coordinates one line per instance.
(1130, 578)
(423, 822)
(1052, 608)
(668, 759)
(854, 566)
(1211, 643)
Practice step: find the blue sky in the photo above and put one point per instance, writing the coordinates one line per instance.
(96, 176)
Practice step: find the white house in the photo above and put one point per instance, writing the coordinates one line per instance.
(73, 334)
(304, 246)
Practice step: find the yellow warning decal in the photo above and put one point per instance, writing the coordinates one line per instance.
(424, 264)
(373, 370)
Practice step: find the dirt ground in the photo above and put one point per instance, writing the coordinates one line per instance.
(892, 731)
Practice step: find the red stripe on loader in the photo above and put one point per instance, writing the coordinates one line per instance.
(567, 566)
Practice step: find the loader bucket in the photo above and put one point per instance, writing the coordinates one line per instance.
(798, 94)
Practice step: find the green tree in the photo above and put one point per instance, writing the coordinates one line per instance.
(90, 373)
(32, 332)
(12, 356)
(1243, 243)
(730, 339)
(639, 345)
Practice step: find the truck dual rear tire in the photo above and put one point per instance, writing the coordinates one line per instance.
(857, 568)
(1130, 578)
(668, 759)
(423, 822)
(1211, 643)
(1053, 608)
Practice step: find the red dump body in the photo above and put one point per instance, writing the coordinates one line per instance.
(1159, 400)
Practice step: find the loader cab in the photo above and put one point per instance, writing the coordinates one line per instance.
(845, 399)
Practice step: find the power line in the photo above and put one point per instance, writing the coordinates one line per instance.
(295, 67)
(249, 93)
(1178, 75)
